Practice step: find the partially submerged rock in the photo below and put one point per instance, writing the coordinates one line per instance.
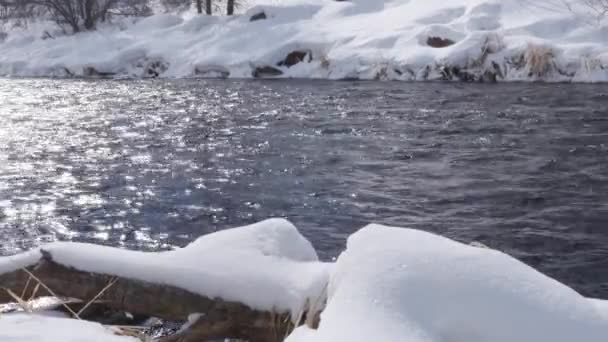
(90, 71)
(211, 71)
(266, 71)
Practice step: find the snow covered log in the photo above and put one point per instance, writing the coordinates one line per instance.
(250, 283)
(221, 319)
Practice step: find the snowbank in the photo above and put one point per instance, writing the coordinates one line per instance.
(267, 266)
(601, 306)
(39, 328)
(390, 284)
(508, 40)
(396, 284)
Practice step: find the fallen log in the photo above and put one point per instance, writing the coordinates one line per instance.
(219, 318)
(255, 283)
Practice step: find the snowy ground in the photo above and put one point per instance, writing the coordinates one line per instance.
(509, 40)
(42, 328)
(390, 284)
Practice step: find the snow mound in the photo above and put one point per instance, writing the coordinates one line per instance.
(364, 39)
(390, 284)
(38, 328)
(396, 284)
(601, 306)
(267, 265)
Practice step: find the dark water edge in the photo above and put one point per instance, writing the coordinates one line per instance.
(153, 164)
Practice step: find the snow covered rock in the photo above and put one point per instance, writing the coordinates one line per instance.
(266, 71)
(395, 284)
(211, 71)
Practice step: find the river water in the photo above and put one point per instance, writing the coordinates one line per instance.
(154, 164)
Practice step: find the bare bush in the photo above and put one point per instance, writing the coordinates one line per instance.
(77, 15)
(175, 5)
(204, 6)
(595, 11)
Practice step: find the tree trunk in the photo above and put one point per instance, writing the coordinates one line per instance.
(230, 7)
(219, 320)
(199, 6)
(208, 7)
(88, 14)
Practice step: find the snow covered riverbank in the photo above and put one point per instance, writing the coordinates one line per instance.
(512, 40)
(390, 284)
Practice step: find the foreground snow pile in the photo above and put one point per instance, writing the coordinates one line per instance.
(37, 328)
(364, 39)
(396, 284)
(390, 284)
(267, 266)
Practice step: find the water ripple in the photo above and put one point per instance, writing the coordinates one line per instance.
(152, 164)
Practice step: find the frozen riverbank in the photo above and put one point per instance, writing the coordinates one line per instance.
(468, 40)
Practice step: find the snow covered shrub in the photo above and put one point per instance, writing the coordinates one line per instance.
(591, 64)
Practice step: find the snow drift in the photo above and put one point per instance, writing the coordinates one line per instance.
(390, 284)
(395, 284)
(470, 40)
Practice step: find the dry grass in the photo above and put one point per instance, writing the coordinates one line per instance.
(26, 305)
(539, 59)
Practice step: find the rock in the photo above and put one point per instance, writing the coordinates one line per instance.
(211, 71)
(438, 42)
(258, 16)
(296, 57)
(90, 71)
(266, 71)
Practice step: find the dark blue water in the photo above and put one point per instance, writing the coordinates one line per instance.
(153, 164)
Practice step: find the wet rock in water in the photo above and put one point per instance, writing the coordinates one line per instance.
(211, 71)
(90, 71)
(296, 57)
(258, 16)
(438, 42)
(266, 71)
(155, 68)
